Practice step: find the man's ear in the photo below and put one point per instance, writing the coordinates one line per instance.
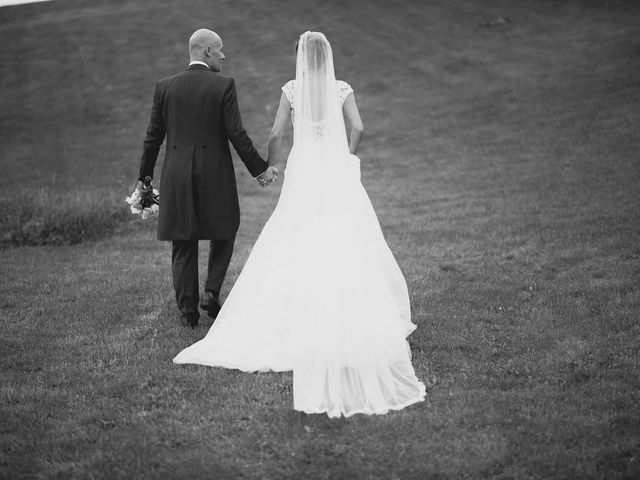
(208, 52)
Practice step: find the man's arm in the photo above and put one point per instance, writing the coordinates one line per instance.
(154, 138)
(238, 135)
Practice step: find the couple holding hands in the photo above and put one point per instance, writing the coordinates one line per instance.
(321, 293)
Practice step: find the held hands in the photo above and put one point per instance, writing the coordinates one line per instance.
(267, 177)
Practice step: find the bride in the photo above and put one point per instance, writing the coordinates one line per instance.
(321, 293)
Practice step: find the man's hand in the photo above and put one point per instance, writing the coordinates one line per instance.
(146, 196)
(267, 177)
(141, 187)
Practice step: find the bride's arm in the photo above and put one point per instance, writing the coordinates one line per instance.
(354, 122)
(278, 130)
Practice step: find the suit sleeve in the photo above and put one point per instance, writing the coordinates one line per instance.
(154, 137)
(238, 135)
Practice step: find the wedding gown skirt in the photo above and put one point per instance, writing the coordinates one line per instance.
(321, 295)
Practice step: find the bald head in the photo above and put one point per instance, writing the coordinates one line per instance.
(206, 46)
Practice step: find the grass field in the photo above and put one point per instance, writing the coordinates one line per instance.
(502, 160)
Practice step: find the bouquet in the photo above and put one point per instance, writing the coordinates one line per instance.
(145, 200)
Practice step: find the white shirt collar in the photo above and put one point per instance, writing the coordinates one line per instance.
(198, 62)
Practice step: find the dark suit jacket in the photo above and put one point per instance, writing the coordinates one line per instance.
(198, 112)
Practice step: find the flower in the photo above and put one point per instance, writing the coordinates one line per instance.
(144, 201)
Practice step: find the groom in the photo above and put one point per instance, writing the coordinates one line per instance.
(198, 112)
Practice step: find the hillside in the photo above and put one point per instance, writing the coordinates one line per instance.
(501, 155)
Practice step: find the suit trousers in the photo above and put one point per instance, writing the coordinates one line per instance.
(184, 268)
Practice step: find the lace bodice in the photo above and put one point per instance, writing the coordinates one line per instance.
(344, 89)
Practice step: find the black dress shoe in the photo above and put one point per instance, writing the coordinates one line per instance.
(190, 319)
(210, 304)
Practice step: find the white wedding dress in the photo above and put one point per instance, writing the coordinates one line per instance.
(320, 293)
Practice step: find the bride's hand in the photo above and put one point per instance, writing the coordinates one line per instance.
(267, 177)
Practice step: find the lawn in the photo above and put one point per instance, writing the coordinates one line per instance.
(501, 155)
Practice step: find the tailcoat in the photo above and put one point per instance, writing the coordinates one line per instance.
(197, 110)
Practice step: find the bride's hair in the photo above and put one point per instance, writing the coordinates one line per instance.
(297, 42)
(316, 53)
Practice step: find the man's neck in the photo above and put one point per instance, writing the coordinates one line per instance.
(198, 62)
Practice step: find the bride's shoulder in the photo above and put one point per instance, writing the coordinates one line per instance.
(344, 89)
(289, 90)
